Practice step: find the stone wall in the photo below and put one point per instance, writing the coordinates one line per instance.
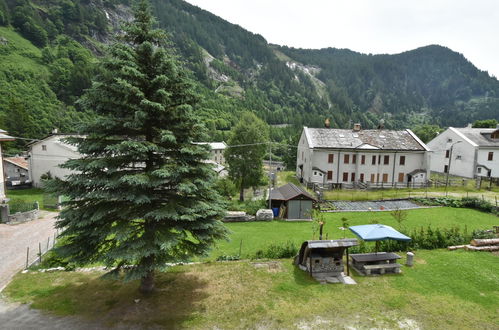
(21, 217)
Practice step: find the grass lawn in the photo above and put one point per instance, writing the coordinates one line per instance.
(444, 290)
(28, 195)
(259, 235)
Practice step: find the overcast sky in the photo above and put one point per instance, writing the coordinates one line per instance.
(372, 26)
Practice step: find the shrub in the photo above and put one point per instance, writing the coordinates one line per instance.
(250, 207)
(479, 204)
(277, 251)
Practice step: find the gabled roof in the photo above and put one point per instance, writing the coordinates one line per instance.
(477, 136)
(17, 161)
(363, 139)
(289, 191)
(215, 145)
(4, 136)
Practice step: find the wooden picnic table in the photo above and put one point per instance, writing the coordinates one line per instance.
(379, 262)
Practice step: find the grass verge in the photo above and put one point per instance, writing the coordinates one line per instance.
(238, 295)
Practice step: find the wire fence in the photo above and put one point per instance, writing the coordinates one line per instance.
(35, 257)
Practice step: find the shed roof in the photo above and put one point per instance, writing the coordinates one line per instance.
(18, 161)
(345, 242)
(364, 139)
(289, 191)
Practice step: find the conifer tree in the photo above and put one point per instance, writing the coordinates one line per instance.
(141, 195)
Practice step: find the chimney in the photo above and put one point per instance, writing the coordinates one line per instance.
(357, 127)
(327, 123)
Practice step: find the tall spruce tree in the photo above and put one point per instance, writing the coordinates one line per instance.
(142, 194)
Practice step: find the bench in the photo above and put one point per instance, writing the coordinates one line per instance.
(383, 268)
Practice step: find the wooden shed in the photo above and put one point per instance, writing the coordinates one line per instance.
(292, 201)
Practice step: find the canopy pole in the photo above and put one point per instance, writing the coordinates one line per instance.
(348, 267)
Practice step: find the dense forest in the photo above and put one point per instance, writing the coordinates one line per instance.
(49, 48)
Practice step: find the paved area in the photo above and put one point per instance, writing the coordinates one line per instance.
(14, 239)
(374, 205)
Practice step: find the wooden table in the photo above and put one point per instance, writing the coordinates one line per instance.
(381, 262)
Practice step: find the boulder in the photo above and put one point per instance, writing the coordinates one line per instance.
(264, 215)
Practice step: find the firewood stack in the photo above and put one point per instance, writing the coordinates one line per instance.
(491, 244)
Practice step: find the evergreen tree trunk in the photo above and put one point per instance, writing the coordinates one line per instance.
(241, 194)
(147, 283)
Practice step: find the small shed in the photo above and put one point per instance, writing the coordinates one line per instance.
(324, 259)
(292, 201)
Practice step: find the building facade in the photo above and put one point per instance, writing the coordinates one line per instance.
(16, 170)
(466, 152)
(45, 157)
(362, 158)
(3, 138)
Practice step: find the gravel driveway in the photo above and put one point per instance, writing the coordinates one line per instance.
(14, 239)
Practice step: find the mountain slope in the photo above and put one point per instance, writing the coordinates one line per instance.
(233, 69)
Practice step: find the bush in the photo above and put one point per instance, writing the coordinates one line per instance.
(276, 251)
(479, 204)
(250, 207)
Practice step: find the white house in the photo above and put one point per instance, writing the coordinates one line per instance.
(3, 137)
(217, 151)
(45, 156)
(362, 158)
(467, 151)
(15, 170)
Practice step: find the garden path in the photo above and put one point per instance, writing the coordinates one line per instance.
(14, 239)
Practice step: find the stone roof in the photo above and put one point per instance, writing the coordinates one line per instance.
(374, 139)
(289, 191)
(479, 136)
(18, 161)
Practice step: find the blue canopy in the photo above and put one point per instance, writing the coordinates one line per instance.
(378, 232)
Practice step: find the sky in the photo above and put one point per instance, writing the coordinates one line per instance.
(470, 27)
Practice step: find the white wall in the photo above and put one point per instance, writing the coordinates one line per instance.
(413, 161)
(42, 161)
(493, 165)
(11, 170)
(2, 179)
(463, 154)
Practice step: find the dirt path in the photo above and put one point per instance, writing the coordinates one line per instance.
(14, 239)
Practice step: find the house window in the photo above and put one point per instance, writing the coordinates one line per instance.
(315, 173)
(386, 160)
(385, 177)
(330, 175)
(363, 159)
(345, 176)
(447, 153)
(354, 159)
(352, 177)
(491, 156)
(402, 160)
(446, 168)
(449, 140)
(374, 160)
(346, 159)
(330, 158)
(401, 177)
(361, 177)
(479, 170)
(44, 147)
(372, 177)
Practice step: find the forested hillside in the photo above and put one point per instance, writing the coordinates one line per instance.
(49, 48)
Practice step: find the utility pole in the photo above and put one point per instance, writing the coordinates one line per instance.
(270, 174)
(448, 167)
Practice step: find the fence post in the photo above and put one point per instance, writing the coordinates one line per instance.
(39, 252)
(48, 241)
(27, 257)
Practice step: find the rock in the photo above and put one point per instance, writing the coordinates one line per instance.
(235, 216)
(136, 301)
(264, 215)
(24, 271)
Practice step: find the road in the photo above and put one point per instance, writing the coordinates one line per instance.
(14, 239)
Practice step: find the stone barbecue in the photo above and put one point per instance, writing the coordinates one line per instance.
(323, 259)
